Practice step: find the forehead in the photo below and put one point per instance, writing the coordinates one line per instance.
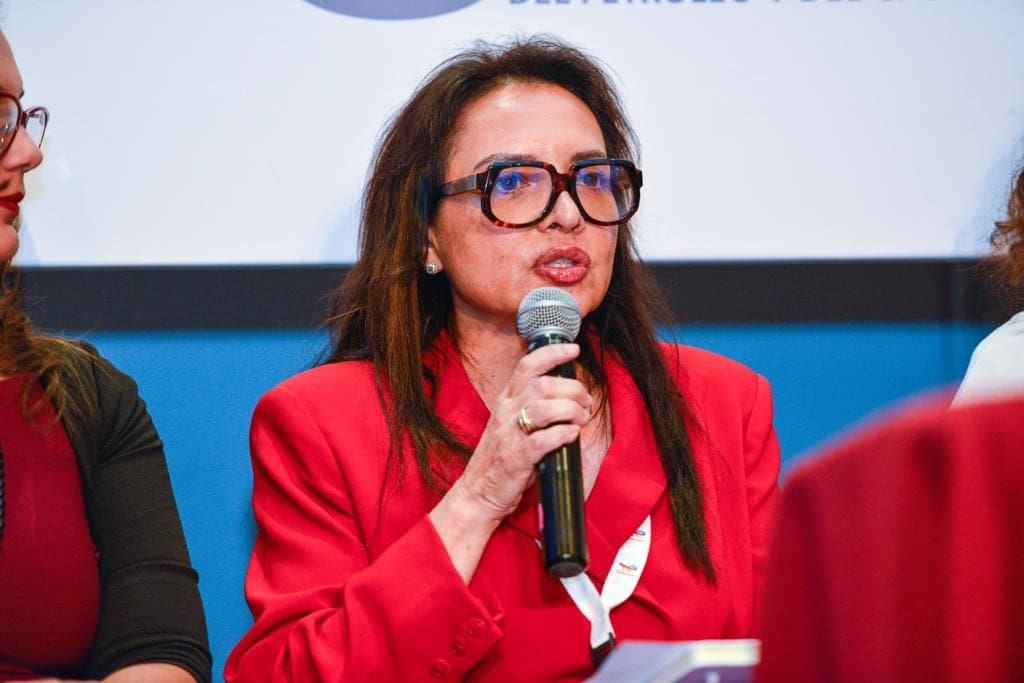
(539, 120)
(10, 78)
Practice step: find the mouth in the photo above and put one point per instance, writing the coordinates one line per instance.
(563, 265)
(11, 203)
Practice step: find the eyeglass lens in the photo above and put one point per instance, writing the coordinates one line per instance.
(35, 125)
(9, 120)
(35, 122)
(520, 194)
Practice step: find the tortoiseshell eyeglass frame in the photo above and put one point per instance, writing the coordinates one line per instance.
(483, 182)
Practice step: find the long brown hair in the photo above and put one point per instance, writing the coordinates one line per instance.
(48, 359)
(388, 311)
(1008, 240)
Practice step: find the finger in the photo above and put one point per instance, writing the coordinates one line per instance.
(548, 387)
(538, 362)
(543, 441)
(550, 412)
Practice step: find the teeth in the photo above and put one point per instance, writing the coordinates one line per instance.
(562, 263)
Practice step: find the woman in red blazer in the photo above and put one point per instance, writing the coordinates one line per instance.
(398, 524)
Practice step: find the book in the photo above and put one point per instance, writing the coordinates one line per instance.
(692, 661)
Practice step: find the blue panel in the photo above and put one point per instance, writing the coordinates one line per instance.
(201, 388)
(825, 377)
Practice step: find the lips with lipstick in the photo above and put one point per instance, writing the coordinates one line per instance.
(11, 202)
(563, 265)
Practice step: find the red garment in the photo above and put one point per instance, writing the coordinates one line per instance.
(49, 581)
(348, 585)
(899, 555)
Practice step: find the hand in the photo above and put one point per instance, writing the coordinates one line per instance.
(504, 462)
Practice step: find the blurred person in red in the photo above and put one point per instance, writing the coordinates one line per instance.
(898, 555)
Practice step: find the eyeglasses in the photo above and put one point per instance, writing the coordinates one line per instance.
(517, 194)
(34, 121)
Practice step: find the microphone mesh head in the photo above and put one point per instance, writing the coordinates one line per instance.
(548, 310)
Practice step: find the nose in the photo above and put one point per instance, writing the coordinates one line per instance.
(565, 215)
(23, 155)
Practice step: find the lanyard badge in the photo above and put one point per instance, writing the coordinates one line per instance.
(618, 586)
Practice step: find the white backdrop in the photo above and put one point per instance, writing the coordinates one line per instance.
(239, 131)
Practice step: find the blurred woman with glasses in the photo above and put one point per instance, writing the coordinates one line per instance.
(394, 484)
(95, 579)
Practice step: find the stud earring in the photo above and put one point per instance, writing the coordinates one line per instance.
(432, 268)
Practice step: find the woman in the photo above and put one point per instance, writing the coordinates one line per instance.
(996, 369)
(95, 580)
(398, 533)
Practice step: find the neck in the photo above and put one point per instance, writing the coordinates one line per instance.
(490, 354)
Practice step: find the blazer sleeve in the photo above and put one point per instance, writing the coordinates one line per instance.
(150, 609)
(324, 609)
(761, 447)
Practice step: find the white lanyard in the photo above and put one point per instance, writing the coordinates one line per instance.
(623, 576)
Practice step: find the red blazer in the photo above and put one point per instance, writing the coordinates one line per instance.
(899, 555)
(349, 581)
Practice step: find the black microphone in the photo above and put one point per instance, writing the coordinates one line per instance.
(549, 315)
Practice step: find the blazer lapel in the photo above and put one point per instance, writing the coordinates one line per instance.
(631, 480)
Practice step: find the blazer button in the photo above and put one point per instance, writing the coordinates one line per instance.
(458, 647)
(475, 628)
(440, 669)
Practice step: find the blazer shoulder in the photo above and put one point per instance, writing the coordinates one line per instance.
(344, 383)
(700, 368)
(716, 387)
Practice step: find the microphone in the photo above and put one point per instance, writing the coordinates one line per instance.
(549, 315)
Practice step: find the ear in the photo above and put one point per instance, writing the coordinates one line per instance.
(432, 255)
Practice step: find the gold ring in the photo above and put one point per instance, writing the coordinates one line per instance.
(525, 423)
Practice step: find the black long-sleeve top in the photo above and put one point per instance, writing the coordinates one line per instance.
(150, 609)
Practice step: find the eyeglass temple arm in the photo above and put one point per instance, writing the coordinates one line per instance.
(471, 183)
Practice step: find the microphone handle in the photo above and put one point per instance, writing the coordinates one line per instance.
(560, 485)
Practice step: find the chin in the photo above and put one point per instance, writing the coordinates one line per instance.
(8, 242)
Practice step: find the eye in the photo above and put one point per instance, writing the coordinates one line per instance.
(510, 180)
(594, 178)
(517, 180)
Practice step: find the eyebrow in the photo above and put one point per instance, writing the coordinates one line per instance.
(589, 154)
(503, 156)
(518, 156)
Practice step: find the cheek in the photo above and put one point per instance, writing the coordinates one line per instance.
(470, 248)
(448, 233)
(609, 246)
(608, 240)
